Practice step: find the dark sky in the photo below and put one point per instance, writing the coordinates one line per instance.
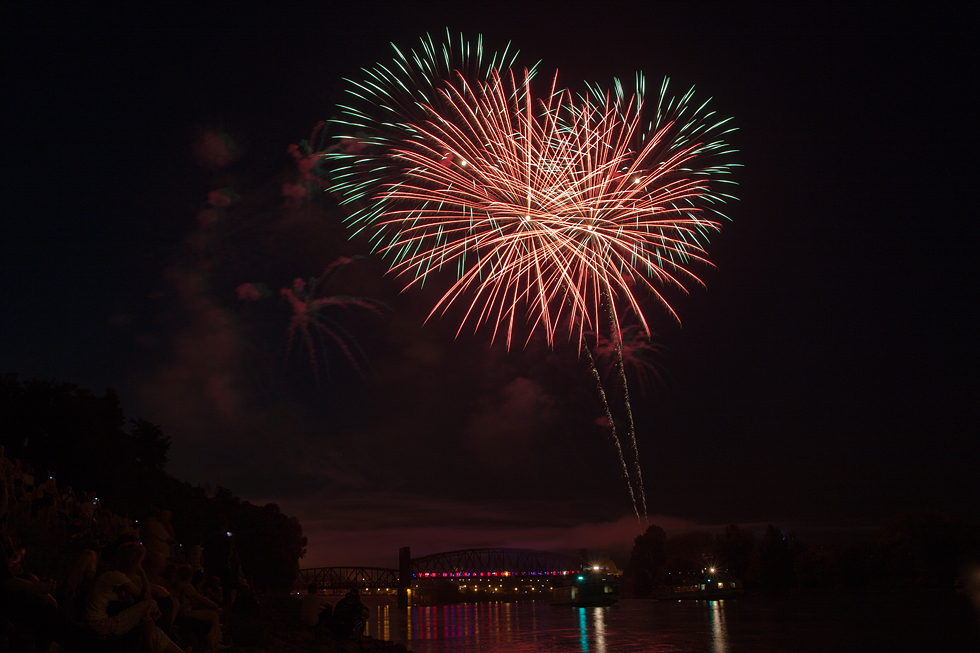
(826, 377)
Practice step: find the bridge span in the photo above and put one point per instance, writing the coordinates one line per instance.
(336, 578)
(484, 567)
(476, 563)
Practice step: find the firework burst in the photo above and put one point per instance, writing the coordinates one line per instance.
(564, 211)
(311, 317)
(639, 354)
(546, 209)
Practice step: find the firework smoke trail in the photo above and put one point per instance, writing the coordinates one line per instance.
(612, 429)
(543, 206)
(632, 429)
(617, 335)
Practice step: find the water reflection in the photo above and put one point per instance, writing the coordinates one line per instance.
(379, 624)
(519, 627)
(583, 630)
(592, 621)
(599, 623)
(840, 623)
(465, 626)
(719, 631)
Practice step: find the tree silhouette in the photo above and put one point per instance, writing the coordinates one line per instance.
(86, 442)
(733, 550)
(647, 560)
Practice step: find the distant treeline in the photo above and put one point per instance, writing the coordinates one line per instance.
(85, 441)
(912, 549)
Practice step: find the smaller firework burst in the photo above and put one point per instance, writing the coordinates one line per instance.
(315, 315)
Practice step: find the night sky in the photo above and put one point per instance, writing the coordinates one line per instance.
(825, 378)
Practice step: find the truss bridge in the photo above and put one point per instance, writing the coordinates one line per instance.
(468, 565)
(339, 578)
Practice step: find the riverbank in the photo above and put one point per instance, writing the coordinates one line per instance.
(273, 627)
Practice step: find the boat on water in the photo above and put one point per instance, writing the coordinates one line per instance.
(591, 587)
(713, 585)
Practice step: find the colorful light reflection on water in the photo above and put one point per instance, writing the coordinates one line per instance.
(843, 623)
(532, 627)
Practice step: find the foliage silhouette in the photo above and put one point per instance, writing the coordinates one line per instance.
(85, 441)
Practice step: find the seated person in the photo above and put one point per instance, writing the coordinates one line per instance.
(29, 613)
(78, 583)
(349, 616)
(199, 608)
(155, 564)
(119, 585)
(314, 611)
(211, 588)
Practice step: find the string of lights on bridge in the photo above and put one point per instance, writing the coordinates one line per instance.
(488, 574)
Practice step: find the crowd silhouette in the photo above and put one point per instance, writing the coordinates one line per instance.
(106, 582)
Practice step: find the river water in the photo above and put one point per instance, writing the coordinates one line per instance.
(908, 622)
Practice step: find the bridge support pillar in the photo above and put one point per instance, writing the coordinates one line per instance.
(404, 575)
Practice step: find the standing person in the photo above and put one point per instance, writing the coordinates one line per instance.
(349, 616)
